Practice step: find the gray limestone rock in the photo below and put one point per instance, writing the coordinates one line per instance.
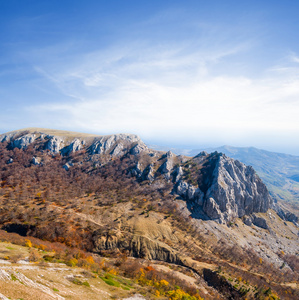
(260, 222)
(74, 146)
(136, 171)
(36, 160)
(284, 214)
(247, 220)
(169, 154)
(189, 192)
(105, 143)
(54, 144)
(211, 208)
(6, 137)
(166, 167)
(227, 189)
(23, 141)
(138, 148)
(148, 173)
(118, 150)
(178, 173)
(200, 154)
(236, 189)
(68, 165)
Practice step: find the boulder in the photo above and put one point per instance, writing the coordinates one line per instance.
(260, 222)
(36, 160)
(68, 165)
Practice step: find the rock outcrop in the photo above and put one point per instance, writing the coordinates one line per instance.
(74, 146)
(138, 148)
(113, 144)
(6, 137)
(190, 192)
(227, 190)
(149, 173)
(23, 141)
(36, 160)
(285, 214)
(255, 220)
(138, 246)
(54, 144)
(237, 191)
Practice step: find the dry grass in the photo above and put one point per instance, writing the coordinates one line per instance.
(34, 281)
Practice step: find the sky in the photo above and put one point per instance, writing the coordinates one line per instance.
(185, 74)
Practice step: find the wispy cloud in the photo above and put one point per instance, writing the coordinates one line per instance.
(294, 58)
(194, 88)
(173, 94)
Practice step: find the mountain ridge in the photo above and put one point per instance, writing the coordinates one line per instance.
(112, 194)
(219, 201)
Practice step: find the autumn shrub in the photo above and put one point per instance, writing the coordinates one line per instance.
(34, 256)
(165, 284)
(15, 258)
(72, 262)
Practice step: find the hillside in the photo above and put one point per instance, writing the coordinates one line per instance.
(114, 197)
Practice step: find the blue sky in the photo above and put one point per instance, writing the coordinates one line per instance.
(178, 73)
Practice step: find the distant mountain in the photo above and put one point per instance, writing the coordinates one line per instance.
(279, 171)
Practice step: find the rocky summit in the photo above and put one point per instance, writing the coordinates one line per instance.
(116, 198)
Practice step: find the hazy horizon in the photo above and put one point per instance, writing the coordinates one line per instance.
(176, 73)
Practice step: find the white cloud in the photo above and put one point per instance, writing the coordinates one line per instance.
(295, 58)
(172, 92)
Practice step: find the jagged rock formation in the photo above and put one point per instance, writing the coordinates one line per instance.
(54, 144)
(23, 141)
(114, 144)
(285, 214)
(138, 148)
(226, 189)
(75, 146)
(215, 185)
(138, 246)
(148, 173)
(236, 191)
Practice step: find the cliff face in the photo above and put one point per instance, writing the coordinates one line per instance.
(236, 191)
(216, 186)
(225, 189)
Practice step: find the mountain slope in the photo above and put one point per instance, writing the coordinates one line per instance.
(113, 195)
